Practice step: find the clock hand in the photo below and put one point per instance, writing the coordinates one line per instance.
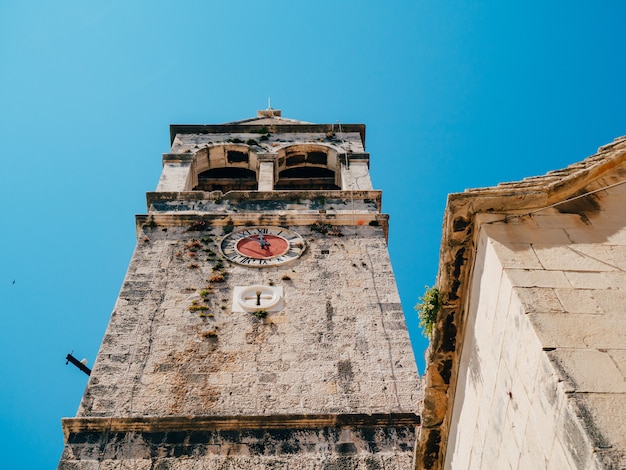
(262, 242)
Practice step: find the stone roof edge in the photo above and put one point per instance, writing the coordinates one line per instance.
(253, 126)
(456, 260)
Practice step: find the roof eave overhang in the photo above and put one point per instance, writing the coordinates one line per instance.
(271, 128)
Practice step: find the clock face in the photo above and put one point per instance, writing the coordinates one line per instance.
(262, 246)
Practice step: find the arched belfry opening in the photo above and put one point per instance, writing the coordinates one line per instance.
(226, 179)
(307, 167)
(230, 167)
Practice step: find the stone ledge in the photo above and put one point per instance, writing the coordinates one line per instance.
(279, 127)
(234, 196)
(323, 448)
(202, 221)
(225, 423)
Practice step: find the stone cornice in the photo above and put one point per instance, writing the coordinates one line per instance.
(197, 221)
(271, 128)
(224, 423)
(234, 196)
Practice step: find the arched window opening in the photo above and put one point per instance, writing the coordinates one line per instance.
(227, 179)
(306, 178)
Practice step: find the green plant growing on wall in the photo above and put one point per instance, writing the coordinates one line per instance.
(260, 313)
(219, 277)
(427, 310)
(193, 245)
(196, 307)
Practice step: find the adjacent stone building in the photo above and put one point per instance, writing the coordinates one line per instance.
(527, 366)
(259, 324)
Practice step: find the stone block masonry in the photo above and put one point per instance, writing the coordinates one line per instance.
(339, 347)
(337, 327)
(542, 376)
(292, 442)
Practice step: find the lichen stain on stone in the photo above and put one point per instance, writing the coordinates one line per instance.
(582, 411)
(563, 374)
(431, 449)
(446, 370)
(458, 262)
(582, 206)
(329, 313)
(344, 370)
(447, 333)
(260, 331)
(199, 360)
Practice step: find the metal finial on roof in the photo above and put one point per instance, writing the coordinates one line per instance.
(269, 112)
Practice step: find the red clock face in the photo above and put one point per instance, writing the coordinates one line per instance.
(262, 246)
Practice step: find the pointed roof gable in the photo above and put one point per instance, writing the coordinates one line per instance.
(267, 116)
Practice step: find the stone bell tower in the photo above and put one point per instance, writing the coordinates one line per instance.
(259, 324)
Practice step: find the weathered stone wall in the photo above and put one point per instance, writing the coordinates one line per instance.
(339, 347)
(328, 351)
(542, 382)
(324, 448)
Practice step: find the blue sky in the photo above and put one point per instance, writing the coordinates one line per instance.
(454, 95)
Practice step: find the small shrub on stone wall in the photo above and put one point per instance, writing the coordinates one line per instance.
(427, 310)
(260, 313)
